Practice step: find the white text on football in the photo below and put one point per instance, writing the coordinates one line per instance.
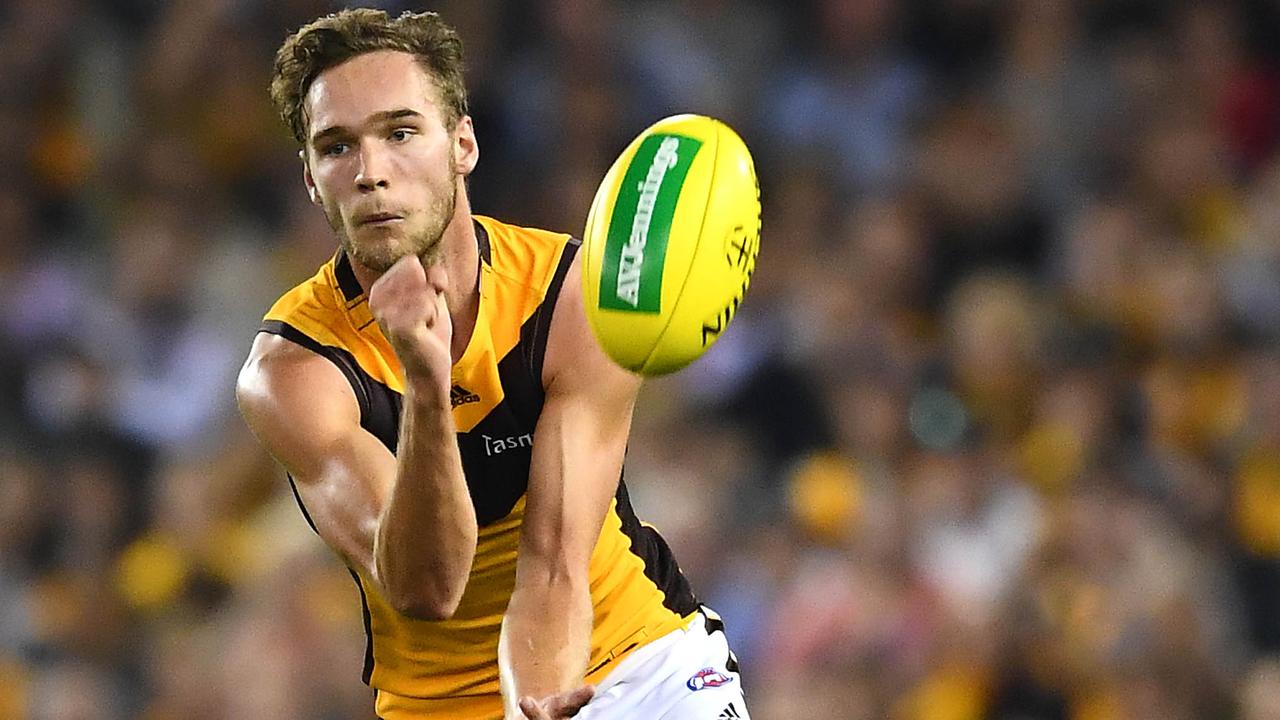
(631, 259)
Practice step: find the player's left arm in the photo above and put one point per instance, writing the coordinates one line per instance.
(578, 448)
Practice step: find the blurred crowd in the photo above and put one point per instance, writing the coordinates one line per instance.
(996, 434)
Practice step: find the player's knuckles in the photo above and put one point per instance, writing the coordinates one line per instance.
(400, 330)
(389, 315)
(400, 293)
(400, 280)
(413, 306)
(409, 265)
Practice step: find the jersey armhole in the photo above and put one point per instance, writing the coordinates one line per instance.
(538, 328)
(343, 360)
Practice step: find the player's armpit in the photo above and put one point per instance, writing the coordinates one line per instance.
(578, 449)
(305, 413)
(580, 439)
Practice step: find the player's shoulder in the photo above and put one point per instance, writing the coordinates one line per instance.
(505, 233)
(316, 290)
(277, 363)
(526, 255)
(298, 335)
(314, 310)
(284, 383)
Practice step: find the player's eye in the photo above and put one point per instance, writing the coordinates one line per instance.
(334, 150)
(400, 134)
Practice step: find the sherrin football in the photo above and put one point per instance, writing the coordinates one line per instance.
(671, 243)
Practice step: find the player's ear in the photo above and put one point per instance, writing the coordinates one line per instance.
(307, 180)
(466, 153)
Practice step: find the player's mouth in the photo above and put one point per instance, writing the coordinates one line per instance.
(379, 219)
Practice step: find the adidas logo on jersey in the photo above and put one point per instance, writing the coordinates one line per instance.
(728, 713)
(461, 396)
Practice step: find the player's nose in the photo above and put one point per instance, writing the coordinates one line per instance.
(371, 173)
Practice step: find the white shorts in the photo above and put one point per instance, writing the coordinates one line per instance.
(687, 674)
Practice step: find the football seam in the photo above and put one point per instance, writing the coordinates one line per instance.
(706, 202)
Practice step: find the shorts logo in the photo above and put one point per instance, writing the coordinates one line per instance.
(707, 678)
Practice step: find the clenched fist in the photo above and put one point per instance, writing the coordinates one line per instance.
(408, 303)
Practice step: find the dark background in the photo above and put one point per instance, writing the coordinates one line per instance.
(995, 435)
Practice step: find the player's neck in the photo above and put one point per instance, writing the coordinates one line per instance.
(460, 258)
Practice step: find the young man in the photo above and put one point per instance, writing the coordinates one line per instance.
(449, 425)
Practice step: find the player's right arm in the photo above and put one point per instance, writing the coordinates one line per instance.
(405, 521)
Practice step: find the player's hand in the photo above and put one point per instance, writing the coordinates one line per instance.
(408, 303)
(558, 706)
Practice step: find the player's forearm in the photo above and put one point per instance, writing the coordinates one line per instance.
(546, 637)
(427, 533)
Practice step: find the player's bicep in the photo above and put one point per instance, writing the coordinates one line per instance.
(305, 413)
(580, 439)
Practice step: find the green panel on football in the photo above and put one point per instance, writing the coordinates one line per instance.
(635, 252)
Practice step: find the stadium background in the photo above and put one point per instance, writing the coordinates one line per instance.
(996, 434)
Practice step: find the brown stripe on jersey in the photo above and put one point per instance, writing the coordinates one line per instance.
(347, 282)
(534, 332)
(521, 389)
(482, 242)
(379, 415)
(659, 563)
(367, 675)
(520, 374)
(301, 505)
(364, 600)
(379, 404)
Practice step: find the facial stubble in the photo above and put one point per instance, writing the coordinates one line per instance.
(426, 243)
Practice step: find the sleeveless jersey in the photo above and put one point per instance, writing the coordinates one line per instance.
(449, 668)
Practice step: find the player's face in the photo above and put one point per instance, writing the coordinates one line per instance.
(379, 159)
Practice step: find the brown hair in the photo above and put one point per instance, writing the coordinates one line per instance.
(334, 39)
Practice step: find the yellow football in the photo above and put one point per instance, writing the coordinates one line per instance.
(671, 243)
